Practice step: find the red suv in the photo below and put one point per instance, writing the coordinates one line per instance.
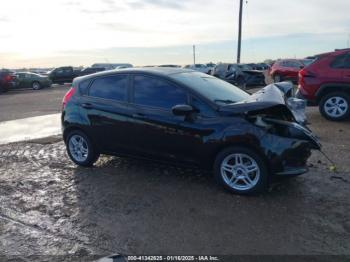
(286, 69)
(326, 82)
(7, 80)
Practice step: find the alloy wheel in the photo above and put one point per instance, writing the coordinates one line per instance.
(240, 172)
(336, 107)
(78, 148)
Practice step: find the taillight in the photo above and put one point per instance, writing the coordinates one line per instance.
(8, 78)
(67, 97)
(305, 73)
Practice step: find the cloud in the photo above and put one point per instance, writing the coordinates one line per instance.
(101, 24)
(4, 19)
(119, 26)
(171, 4)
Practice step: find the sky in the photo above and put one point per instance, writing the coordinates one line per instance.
(50, 33)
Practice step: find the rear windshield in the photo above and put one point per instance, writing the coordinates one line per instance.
(214, 89)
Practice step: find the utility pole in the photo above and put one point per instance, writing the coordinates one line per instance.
(240, 32)
(194, 55)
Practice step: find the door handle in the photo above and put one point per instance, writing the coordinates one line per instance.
(87, 105)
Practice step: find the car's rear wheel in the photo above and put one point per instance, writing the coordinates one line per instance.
(335, 106)
(36, 85)
(80, 149)
(241, 171)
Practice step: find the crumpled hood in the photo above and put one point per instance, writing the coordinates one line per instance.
(269, 96)
(273, 95)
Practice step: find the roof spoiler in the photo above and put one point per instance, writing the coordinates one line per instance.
(342, 49)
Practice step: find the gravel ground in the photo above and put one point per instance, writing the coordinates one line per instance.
(50, 207)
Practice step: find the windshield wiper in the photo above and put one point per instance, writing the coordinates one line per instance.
(224, 101)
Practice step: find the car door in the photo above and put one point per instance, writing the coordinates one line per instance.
(67, 76)
(106, 107)
(57, 76)
(21, 78)
(154, 131)
(195, 133)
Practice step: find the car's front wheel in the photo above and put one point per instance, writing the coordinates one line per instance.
(241, 171)
(80, 149)
(335, 106)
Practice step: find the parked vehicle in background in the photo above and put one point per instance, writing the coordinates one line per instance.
(262, 66)
(170, 66)
(198, 67)
(286, 70)
(231, 73)
(240, 75)
(111, 66)
(31, 80)
(123, 67)
(90, 70)
(184, 116)
(64, 74)
(210, 66)
(307, 61)
(326, 83)
(7, 80)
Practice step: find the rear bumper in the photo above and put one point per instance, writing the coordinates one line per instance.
(301, 96)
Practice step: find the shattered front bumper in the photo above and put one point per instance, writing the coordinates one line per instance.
(286, 156)
(289, 155)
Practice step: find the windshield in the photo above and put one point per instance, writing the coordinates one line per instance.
(214, 89)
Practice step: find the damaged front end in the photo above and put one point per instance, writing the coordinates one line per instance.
(286, 141)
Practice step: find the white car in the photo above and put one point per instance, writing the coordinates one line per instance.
(198, 67)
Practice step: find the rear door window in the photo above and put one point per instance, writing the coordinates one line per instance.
(154, 92)
(110, 87)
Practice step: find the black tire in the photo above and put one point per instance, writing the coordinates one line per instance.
(261, 184)
(3, 89)
(323, 105)
(92, 155)
(277, 78)
(36, 85)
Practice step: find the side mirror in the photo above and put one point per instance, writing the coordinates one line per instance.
(182, 110)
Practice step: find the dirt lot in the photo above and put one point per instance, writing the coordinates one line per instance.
(24, 103)
(51, 207)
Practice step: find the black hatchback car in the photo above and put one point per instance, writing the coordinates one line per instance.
(186, 117)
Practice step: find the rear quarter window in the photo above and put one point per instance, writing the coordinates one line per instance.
(84, 87)
(339, 61)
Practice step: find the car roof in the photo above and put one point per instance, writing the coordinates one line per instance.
(159, 71)
(336, 52)
(289, 59)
